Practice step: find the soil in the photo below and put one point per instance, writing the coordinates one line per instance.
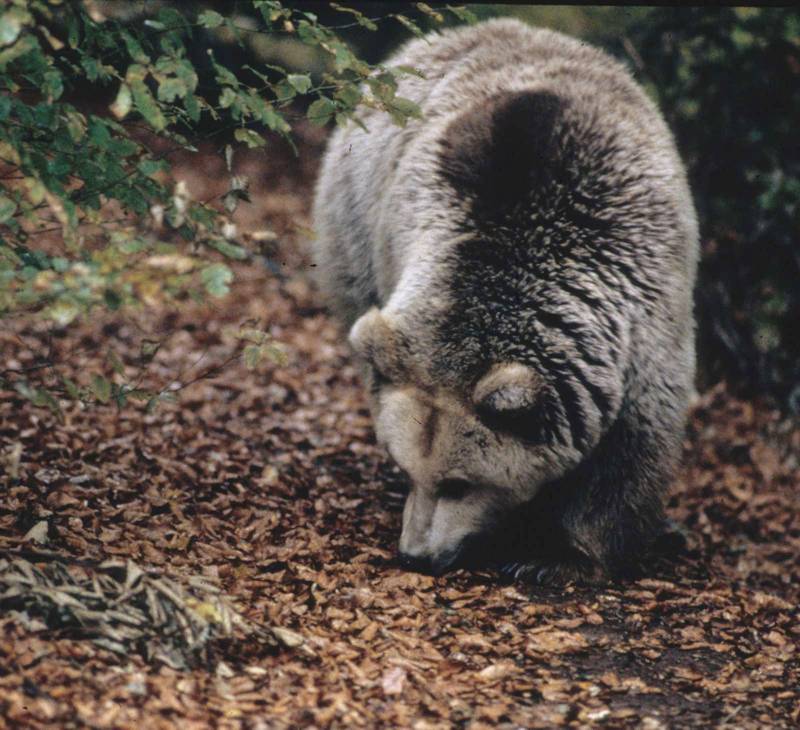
(268, 483)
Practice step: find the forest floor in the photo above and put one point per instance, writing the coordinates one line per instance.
(268, 484)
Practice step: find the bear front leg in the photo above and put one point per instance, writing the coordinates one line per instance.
(597, 523)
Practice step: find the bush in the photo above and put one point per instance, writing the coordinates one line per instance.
(92, 108)
(727, 79)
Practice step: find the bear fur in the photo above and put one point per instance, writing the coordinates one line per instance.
(516, 271)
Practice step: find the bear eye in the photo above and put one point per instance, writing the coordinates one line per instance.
(454, 489)
(378, 379)
(531, 425)
(380, 376)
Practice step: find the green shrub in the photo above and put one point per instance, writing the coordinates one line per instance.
(65, 163)
(729, 82)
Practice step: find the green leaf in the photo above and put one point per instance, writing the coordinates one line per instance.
(192, 105)
(173, 18)
(250, 334)
(151, 167)
(11, 24)
(203, 215)
(410, 25)
(300, 82)
(147, 106)
(22, 47)
(249, 137)
(275, 121)
(343, 57)
(135, 50)
(350, 95)
(284, 91)
(138, 393)
(406, 107)
(410, 70)
(227, 97)
(101, 388)
(430, 12)
(119, 393)
(92, 68)
(224, 75)
(99, 133)
(275, 352)
(362, 19)
(73, 30)
(216, 279)
(171, 88)
(72, 389)
(136, 72)
(122, 104)
(464, 15)
(116, 363)
(252, 356)
(63, 311)
(228, 249)
(53, 85)
(46, 399)
(7, 208)
(321, 111)
(383, 86)
(59, 264)
(210, 19)
(38, 396)
(186, 73)
(148, 349)
(76, 125)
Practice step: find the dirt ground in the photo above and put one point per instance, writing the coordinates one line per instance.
(268, 483)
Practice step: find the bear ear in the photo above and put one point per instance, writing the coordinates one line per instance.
(499, 151)
(374, 339)
(507, 388)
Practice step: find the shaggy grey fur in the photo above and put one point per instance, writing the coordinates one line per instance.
(538, 215)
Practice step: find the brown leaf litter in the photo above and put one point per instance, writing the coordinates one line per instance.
(260, 499)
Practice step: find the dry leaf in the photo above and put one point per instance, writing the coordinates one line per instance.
(393, 681)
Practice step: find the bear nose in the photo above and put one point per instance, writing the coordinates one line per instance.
(416, 563)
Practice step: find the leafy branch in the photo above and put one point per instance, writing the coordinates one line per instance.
(65, 164)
